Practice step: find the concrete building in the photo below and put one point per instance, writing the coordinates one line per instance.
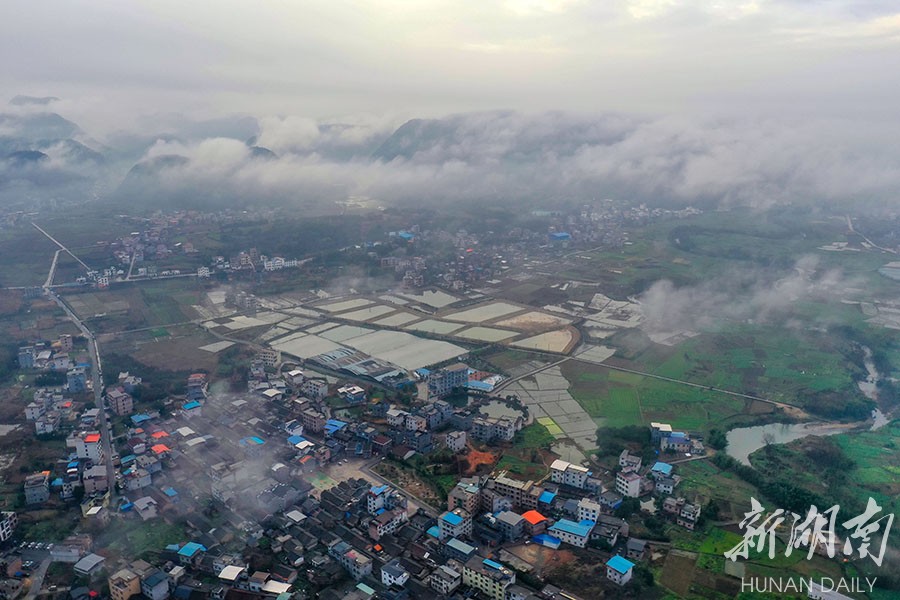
(455, 524)
(355, 562)
(619, 570)
(119, 401)
(124, 584)
(629, 461)
(8, 523)
(523, 494)
(570, 532)
(315, 388)
(76, 380)
(456, 441)
(511, 524)
(491, 429)
(95, 480)
(155, 585)
(393, 573)
(488, 576)
(465, 495)
(565, 473)
(445, 579)
(269, 357)
(658, 431)
(66, 342)
(87, 445)
(628, 484)
(37, 488)
(26, 357)
(387, 522)
(442, 382)
(588, 510)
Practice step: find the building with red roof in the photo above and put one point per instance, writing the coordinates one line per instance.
(535, 522)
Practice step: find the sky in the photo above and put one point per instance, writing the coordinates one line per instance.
(113, 60)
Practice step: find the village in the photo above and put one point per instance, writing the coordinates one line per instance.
(304, 483)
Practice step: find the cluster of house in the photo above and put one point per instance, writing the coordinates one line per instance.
(248, 260)
(366, 532)
(633, 480)
(56, 356)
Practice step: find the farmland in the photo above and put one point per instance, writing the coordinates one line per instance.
(616, 399)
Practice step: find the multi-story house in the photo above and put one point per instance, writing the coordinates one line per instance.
(570, 532)
(87, 445)
(588, 510)
(465, 495)
(442, 382)
(628, 484)
(456, 441)
(445, 579)
(8, 523)
(393, 574)
(387, 522)
(124, 584)
(619, 570)
(565, 473)
(457, 523)
(355, 562)
(37, 488)
(119, 401)
(488, 576)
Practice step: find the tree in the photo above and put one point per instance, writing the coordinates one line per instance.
(628, 507)
(718, 439)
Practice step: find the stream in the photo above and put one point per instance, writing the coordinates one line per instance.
(744, 441)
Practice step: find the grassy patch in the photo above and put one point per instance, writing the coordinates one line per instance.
(533, 436)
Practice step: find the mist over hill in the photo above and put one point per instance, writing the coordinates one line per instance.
(500, 157)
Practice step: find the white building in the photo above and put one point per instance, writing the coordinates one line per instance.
(619, 570)
(565, 473)
(628, 484)
(393, 573)
(588, 510)
(8, 523)
(457, 523)
(87, 445)
(570, 532)
(456, 441)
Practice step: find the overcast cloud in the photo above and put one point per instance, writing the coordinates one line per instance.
(675, 101)
(425, 58)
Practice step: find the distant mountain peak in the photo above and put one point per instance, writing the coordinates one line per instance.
(21, 100)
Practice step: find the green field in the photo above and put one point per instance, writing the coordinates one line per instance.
(616, 399)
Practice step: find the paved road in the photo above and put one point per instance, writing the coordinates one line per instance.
(61, 247)
(37, 580)
(97, 381)
(52, 272)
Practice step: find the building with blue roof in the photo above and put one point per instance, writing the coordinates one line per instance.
(547, 540)
(547, 497)
(619, 570)
(190, 551)
(677, 441)
(661, 469)
(459, 550)
(457, 523)
(570, 532)
(191, 405)
(479, 386)
(138, 419)
(332, 426)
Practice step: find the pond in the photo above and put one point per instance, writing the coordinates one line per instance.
(498, 409)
